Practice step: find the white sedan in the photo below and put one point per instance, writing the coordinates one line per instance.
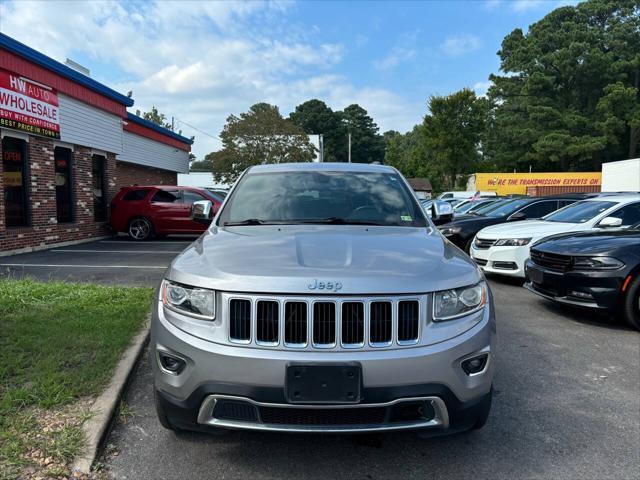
(503, 249)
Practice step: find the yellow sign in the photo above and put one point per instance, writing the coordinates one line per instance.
(12, 179)
(508, 183)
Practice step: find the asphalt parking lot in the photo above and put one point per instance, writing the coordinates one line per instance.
(566, 404)
(116, 260)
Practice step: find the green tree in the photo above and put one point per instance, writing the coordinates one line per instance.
(568, 99)
(156, 117)
(453, 131)
(315, 117)
(204, 165)
(367, 145)
(257, 137)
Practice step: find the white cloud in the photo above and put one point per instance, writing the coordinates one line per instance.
(403, 51)
(395, 57)
(520, 6)
(200, 61)
(481, 88)
(456, 45)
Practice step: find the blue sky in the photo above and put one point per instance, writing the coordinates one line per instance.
(201, 61)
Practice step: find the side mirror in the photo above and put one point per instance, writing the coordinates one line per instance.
(442, 212)
(202, 211)
(516, 216)
(609, 222)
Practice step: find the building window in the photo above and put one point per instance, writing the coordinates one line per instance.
(98, 163)
(64, 190)
(14, 166)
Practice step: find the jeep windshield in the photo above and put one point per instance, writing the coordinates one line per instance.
(311, 197)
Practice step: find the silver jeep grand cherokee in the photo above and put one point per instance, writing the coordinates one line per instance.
(321, 299)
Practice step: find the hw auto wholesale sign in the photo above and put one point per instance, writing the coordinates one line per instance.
(27, 106)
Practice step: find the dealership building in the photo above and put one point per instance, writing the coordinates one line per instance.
(68, 145)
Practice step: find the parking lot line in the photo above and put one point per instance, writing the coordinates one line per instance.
(77, 266)
(138, 243)
(117, 251)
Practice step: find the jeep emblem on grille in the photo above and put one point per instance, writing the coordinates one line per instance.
(316, 284)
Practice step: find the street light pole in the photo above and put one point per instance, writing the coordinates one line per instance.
(349, 147)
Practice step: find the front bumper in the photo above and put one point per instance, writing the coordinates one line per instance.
(603, 289)
(507, 261)
(256, 377)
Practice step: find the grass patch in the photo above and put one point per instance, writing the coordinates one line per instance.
(59, 344)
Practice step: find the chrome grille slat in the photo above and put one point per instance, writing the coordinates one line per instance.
(240, 320)
(344, 322)
(324, 324)
(295, 324)
(380, 323)
(352, 324)
(267, 320)
(408, 320)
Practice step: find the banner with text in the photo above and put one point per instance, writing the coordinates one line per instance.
(513, 183)
(28, 106)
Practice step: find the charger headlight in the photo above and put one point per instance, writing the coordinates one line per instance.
(512, 242)
(596, 263)
(194, 301)
(458, 302)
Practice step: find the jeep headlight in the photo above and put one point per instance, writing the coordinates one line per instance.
(450, 304)
(194, 301)
(512, 242)
(449, 231)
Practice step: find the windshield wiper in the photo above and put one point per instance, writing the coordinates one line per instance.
(335, 221)
(248, 221)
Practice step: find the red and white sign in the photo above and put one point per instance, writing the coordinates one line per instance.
(28, 106)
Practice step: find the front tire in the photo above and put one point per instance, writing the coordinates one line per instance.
(140, 229)
(631, 304)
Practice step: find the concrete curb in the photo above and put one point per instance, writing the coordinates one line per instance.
(106, 404)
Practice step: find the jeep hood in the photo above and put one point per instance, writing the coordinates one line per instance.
(285, 259)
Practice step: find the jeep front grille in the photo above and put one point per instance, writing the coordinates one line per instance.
(240, 320)
(345, 322)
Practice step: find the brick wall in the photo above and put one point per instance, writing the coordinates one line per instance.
(44, 228)
(129, 174)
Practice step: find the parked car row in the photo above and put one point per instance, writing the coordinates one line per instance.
(580, 249)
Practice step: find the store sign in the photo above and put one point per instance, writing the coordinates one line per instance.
(517, 183)
(12, 179)
(27, 106)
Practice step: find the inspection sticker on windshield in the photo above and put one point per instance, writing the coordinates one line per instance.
(406, 218)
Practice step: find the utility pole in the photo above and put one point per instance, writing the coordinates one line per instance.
(321, 145)
(349, 147)
(173, 126)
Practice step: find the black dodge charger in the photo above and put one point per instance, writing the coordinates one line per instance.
(598, 270)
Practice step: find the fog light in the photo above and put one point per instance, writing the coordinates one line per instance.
(475, 365)
(170, 363)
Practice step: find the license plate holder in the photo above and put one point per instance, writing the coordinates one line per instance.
(536, 276)
(323, 383)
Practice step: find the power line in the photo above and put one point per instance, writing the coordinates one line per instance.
(182, 122)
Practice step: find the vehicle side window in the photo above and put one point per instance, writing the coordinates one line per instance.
(166, 196)
(539, 209)
(135, 195)
(564, 203)
(630, 214)
(189, 197)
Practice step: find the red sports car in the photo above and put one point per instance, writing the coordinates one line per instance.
(146, 211)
